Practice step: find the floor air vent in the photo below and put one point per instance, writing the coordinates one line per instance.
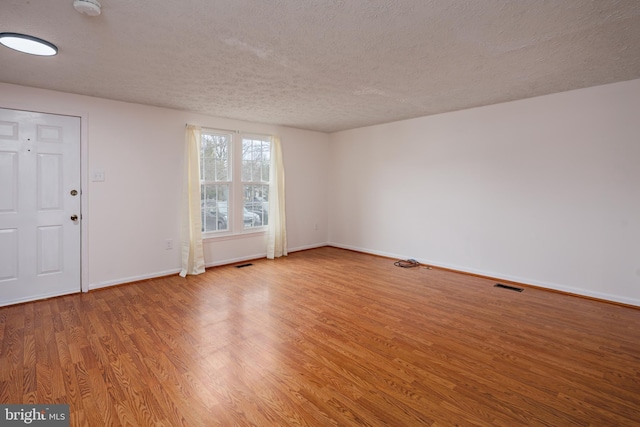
(511, 288)
(244, 265)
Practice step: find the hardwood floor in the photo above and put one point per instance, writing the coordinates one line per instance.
(324, 337)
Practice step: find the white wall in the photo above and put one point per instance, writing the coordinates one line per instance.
(137, 207)
(544, 191)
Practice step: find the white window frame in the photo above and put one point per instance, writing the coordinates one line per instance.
(235, 207)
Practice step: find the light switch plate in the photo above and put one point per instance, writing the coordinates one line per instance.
(97, 176)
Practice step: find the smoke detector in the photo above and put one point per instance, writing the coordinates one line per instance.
(87, 7)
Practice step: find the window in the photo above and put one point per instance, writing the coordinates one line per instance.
(215, 180)
(234, 179)
(255, 178)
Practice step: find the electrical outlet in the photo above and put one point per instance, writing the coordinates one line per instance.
(168, 244)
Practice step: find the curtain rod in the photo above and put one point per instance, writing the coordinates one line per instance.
(235, 131)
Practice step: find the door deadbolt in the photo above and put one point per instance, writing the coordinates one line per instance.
(74, 192)
(74, 217)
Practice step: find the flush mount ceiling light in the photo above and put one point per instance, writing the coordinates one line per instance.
(28, 44)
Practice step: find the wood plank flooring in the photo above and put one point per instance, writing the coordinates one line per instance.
(324, 337)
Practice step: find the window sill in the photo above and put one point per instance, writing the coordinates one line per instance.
(233, 236)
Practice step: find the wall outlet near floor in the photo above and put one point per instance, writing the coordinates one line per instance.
(168, 244)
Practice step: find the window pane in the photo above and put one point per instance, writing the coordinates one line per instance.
(214, 158)
(247, 160)
(214, 204)
(266, 161)
(256, 205)
(255, 160)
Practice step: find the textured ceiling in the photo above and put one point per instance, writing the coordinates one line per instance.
(324, 65)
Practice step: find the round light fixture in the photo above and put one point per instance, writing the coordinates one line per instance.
(87, 7)
(28, 44)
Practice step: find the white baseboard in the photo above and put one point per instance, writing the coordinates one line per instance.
(306, 248)
(491, 274)
(499, 276)
(261, 255)
(132, 279)
(234, 260)
(218, 263)
(38, 297)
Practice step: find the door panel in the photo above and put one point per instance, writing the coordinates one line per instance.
(49, 172)
(9, 180)
(50, 250)
(39, 242)
(9, 251)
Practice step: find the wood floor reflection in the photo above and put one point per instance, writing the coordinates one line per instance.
(324, 337)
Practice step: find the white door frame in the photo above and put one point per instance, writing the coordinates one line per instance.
(84, 235)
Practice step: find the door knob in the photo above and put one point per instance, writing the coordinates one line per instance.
(74, 217)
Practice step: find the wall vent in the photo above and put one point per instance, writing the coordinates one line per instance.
(511, 288)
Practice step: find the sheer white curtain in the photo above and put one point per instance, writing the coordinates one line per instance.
(192, 252)
(277, 234)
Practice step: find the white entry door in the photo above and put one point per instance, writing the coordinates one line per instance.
(39, 205)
